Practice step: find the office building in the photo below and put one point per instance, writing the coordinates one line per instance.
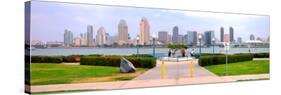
(123, 32)
(144, 31)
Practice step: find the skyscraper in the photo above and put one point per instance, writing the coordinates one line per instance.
(239, 39)
(122, 32)
(180, 39)
(226, 38)
(231, 34)
(185, 39)
(163, 37)
(83, 39)
(90, 35)
(144, 31)
(68, 38)
(192, 38)
(175, 35)
(101, 36)
(222, 34)
(208, 36)
(252, 37)
(76, 41)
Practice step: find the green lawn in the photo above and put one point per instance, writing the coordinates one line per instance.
(46, 73)
(241, 68)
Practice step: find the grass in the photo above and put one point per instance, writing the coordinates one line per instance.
(46, 73)
(241, 68)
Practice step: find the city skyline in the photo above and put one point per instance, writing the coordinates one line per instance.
(103, 16)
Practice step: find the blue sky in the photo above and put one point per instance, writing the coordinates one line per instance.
(49, 20)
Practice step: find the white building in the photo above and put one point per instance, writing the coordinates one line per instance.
(101, 37)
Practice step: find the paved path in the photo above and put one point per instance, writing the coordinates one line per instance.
(175, 70)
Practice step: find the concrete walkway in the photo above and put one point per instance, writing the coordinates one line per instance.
(175, 70)
(176, 73)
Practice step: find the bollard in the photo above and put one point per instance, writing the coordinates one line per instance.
(162, 70)
(191, 69)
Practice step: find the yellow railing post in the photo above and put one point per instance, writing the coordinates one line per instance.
(191, 69)
(162, 70)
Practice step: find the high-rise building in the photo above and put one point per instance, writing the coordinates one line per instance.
(169, 39)
(90, 38)
(163, 37)
(101, 37)
(107, 36)
(231, 34)
(123, 32)
(208, 36)
(175, 35)
(112, 39)
(185, 39)
(144, 31)
(192, 38)
(239, 39)
(83, 39)
(260, 39)
(252, 37)
(180, 39)
(222, 34)
(68, 38)
(76, 41)
(226, 38)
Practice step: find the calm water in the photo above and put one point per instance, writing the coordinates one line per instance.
(129, 51)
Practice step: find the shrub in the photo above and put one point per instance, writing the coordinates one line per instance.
(71, 58)
(142, 55)
(46, 59)
(261, 55)
(197, 55)
(142, 62)
(221, 59)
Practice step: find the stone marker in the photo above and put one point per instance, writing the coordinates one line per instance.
(126, 66)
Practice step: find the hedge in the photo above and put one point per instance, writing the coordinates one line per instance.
(220, 59)
(197, 55)
(141, 62)
(71, 58)
(46, 59)
(261, 55)
(142, 55)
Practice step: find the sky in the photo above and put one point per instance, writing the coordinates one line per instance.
(50, 19)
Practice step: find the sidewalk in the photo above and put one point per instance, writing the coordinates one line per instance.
(175, 70)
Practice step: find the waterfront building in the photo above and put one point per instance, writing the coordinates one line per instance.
(101, 37)
(175, 35)
(144, 31)
(192, 38)
(222, 34)
(163, 37)
(231, 34)
(208, 36)
(252, 37)
(123, 32)
(90, 38)
(68, 38)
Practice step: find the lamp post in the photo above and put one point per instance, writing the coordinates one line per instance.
(138, 39)
(226, 47)
(200, 38)
(213, 40)
(153, 43)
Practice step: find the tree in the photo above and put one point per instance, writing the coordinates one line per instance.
(177, 46)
